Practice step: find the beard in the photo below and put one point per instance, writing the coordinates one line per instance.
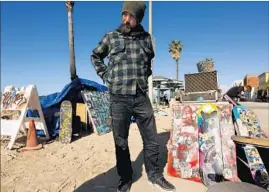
(127, 27)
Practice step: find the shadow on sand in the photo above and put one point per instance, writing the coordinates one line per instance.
(109, 180)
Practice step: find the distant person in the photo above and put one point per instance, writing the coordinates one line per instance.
(235, 92)
(265, 96)
(129, 49)
(166, 100)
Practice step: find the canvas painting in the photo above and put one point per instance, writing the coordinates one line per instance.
(98, 106)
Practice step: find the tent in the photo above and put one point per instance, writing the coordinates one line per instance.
(51, 103)
(70, 91)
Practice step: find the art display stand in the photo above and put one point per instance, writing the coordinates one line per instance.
(14, 106)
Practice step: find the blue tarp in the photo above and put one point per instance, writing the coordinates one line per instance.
(77, 85)
(51, 103)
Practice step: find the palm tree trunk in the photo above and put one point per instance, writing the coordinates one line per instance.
(71, 40)
(177, 69)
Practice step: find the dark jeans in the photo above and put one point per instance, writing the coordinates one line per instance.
(122, 108)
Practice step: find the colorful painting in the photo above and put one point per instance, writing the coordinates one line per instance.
(13, 99)
(98, 106)
(258, 170)
(10, 114)
(248, 123)
(184, 159)
(228, 146)
(183, 155)
(65, 133)
(210, 144)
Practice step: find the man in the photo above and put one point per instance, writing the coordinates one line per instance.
(166, 100)
(235, 92)
(130, 51)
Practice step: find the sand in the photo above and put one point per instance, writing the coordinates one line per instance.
(87, 164)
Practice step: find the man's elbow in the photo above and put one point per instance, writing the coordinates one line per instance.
(93, 55)
(94, 58)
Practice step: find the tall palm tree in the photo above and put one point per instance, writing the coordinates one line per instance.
(175, 49)
(70, 5)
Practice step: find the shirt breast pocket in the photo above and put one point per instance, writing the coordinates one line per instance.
(146, 54)
(117, 54)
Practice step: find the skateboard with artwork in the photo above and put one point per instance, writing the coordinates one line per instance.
(183, 158)
(247, 122)
(98, 106)
(228, 146)
(65, 132)
(257, 168)
(210, 145)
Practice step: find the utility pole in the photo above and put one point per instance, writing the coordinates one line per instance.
(150, 83)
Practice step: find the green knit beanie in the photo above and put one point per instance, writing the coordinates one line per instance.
(135, 8)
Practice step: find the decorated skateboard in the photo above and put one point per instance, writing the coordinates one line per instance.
(257, 168)
(210, 145)
(65, 132)
(228, 146)
(247, 122)
(98, 106)
(183, 159)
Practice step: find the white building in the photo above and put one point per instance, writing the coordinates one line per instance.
(163, 85)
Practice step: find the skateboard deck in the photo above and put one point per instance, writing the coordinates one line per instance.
(257, 168)
(98, 106)
(183, 160)
(65, 132)
(184, 157)
(210, 145)
(259, 142)
(247, 122)
(228, 146)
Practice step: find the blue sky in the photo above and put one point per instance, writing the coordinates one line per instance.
(34, 39)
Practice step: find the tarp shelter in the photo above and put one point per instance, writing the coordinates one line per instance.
(51, 103)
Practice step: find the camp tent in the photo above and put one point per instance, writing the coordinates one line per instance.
(51, 103)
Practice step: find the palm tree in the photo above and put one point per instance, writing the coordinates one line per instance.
(175, 49)
(70, 5)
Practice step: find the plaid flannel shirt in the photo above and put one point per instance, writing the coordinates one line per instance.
(129, 63)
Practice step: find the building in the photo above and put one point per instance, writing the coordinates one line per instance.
(263, 89)
(253, 81)
(163, 85)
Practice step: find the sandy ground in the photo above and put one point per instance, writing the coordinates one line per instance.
(87, 164)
